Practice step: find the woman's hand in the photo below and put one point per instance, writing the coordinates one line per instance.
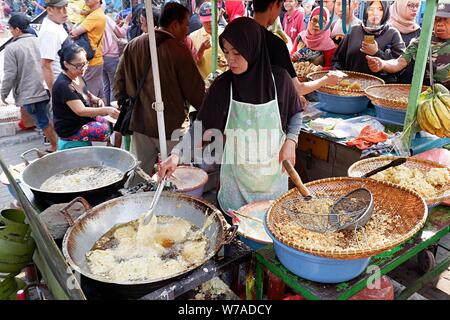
(375, 64)
(295, 57)
(100, 103)
(168, 166)
(331, 79)
(113, 112)
(206, 44)
(287, 152)
(304, 102)
(369, 48)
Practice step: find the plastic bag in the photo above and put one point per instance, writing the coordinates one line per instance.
(352, 127)
(311, 112)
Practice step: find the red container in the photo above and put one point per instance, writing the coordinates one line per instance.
(275, 288)
(384, 291)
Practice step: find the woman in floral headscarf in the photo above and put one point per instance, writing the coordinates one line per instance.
(313, 44)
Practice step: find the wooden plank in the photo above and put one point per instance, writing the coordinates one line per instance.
(344, 158)
(57, 291)
(318, 147)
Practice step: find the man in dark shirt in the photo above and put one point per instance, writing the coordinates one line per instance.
(181, 83)
(266, 12)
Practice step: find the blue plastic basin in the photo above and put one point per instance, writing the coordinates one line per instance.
(252, 244)
(392, 116)
(314, 268)
(343, 105)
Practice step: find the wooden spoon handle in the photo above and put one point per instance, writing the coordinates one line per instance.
(296, 179)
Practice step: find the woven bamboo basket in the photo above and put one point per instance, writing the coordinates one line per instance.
(365, 80)
(391, 199)
(391, 96)
(364, 166)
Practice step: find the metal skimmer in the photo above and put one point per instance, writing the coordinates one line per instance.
(328, 213)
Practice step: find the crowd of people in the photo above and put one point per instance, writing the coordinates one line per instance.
(83, 59)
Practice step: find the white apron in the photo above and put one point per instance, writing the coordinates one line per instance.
(250, 169)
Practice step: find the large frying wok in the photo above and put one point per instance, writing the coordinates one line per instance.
(43, 168)
(88, 228)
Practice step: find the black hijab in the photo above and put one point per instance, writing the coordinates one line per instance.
(255, 85)
(384, 19)
(248, 38)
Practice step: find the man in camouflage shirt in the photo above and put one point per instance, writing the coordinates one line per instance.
(440, 49)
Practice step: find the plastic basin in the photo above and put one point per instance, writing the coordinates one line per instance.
(251, 232)
(252, 244)
(314, 268)
(392, 116)
(343, 105)
(188, 180)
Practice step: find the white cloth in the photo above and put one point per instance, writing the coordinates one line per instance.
(51, 36)
(250, 169)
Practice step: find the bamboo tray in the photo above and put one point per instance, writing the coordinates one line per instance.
(363, 166)
(396, 202)
(391, 96)
(365, 80)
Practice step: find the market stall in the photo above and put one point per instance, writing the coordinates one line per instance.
(337, 132)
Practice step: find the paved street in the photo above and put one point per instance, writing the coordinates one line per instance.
(10, 150)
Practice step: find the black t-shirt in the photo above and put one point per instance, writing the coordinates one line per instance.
(67, 122)
(279, 54)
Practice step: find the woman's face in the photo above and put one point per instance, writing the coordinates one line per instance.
(78, 65)
(314, 26)
(290, 5)
(236, 62)
(412, 9)
(329, 4)
(374, 14)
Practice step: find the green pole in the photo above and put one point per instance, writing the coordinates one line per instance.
(419, 70)
(214, 36)
(127, 144)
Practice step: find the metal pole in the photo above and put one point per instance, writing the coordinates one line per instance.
(419, 69)
(158, 105)
(214, 24)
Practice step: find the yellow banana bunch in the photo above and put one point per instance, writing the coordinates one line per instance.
(442, 108)
(433, 113)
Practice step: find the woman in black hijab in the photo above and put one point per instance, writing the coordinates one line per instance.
(256, 107)
(374, 37)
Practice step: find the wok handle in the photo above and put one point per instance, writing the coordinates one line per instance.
(296, 179)
(66, 213)
(143, 175)
(230, 233)
(38, 152)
